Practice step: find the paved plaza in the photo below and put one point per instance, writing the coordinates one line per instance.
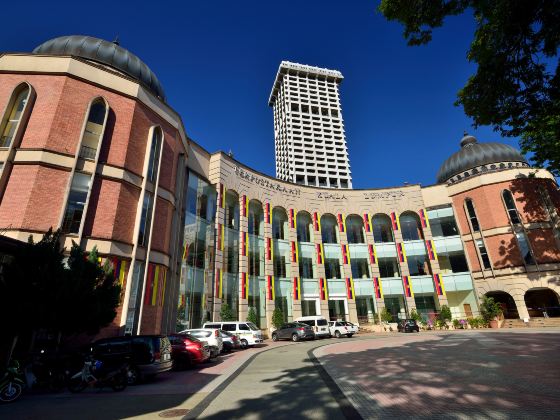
(484, 374)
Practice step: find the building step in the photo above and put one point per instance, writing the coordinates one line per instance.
(533, 323)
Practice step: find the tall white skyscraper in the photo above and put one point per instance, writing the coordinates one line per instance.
(308, 127)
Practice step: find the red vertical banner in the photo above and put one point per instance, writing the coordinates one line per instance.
(267, 214)
(344, 249)
(349, 288)
(316, 222)
(292, 217)
(366, 223)
(424, 218)
(243, 245)
(219, 280)
(244, 286)
(319, 250)
(294, 251)
(323, 289)
(268, 249)
(438, 284)
(430, 247)
(377, 288)
(149, 284)
(401, 253)
(296, 289)
(222, 196)
(407, 287)
(270, 287)
(395, 221)
(244, 204)
(372, 256)
(340, 221)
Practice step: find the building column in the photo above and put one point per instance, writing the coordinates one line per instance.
(215, 299)
(347, 269)
(268, 264)
(403, 265)
(294, 264)
(320, 261)
(243, 276)
(521, 306)
(374, 267)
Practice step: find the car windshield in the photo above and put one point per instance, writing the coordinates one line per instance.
(321, 322)
(252, 326)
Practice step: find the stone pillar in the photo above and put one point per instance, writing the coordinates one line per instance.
(521, 306)
(268, 263)
(410, 303)
(320, 261)
(243, 276)
(347, 268)
(373, 266)
(294, 262)
(215, 300)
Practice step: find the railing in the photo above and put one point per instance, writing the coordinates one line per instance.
(87, 152)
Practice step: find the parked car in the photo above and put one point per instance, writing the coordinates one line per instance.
(408, 325)
(188, 351)
(319, 324)
(294, 331)
(147, 355)
(338, 329)
(231, 341)
(211, 336)
(249, 334)
(353, 328)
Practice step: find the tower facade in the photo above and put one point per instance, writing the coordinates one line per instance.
(310, 144)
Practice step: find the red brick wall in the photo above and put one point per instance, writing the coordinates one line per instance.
(472, 256)
(162, 226)
(544, 246)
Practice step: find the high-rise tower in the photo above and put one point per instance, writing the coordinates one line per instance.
(309, 135)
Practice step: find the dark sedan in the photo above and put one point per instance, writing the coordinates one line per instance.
(294, 331)
(408, 325)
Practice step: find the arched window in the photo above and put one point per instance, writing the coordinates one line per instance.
(255, 218)
(410, 227)
(93, 132)
(155, 146)
(472, 215)
(232, 210)
(13, 115)
(279, 223)
(509, 202)
(382, 230)
(328, 229)
(304, 226)
(355, 229)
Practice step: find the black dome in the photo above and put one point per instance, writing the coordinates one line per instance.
(474, 154)
(105, 52)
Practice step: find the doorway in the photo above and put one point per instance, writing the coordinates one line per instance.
(338, 309)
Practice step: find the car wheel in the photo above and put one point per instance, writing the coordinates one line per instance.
(244, 344)
(274, 337)
(295, 338)
(349, 335)
(133, 375)
(337, 334)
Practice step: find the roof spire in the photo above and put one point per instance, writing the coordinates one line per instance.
(116, 41)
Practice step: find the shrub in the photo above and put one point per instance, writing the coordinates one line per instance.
(456, 323)
(415, 315)
(489, 308)
(252, 316)
(226, 314)
(277, 318)
(445, 313)
(473, 322)
(386, 315)
(441, 324)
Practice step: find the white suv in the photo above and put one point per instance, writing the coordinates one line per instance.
(338, 329)
(208, 335)
(249, 334)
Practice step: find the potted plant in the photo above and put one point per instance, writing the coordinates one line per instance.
(490, 310)
(463, 324)
(456, 324)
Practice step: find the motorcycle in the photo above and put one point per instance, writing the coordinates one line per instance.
(95, 372)
(12, 383)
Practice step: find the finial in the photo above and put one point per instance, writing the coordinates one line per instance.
(116, 41)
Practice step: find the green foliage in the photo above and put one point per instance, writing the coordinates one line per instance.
(226, 313)
(441, 324)
(252, 316)
(445, 313)
(456, 323)
(386, 316)
(39, 291)
(415, 315)
(516, 87)
(277, 318)
(489, 308)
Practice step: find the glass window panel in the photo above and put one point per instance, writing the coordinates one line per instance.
(76, 203)
(388, 267)
(382, 229)
(145, 219)
(524, 247)
(13, 117)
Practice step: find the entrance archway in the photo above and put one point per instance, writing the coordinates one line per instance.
(507, 303)
(541, 301)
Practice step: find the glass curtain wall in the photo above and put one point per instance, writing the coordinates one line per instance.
(197, 265)
(257, 285)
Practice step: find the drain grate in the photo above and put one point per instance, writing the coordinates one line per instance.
(176, 412)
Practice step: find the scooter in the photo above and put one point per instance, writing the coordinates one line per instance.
(12, 383)
(95, 373)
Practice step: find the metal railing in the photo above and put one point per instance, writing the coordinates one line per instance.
(87, 152)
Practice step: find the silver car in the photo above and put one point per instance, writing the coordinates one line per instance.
(294, 331)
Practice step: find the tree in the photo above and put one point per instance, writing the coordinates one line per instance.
(252, 316)
(489, 308)
(516, 88)
(277, 318)
(226, 314)
(38, 291)
(415, 315)
(445, 313)
(386, 316)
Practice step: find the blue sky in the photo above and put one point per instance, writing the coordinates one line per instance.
(217, 61)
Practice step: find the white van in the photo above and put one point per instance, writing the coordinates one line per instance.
(249, 334)
(318, 323)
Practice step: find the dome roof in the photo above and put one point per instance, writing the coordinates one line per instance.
(105, 52)
(474, 154)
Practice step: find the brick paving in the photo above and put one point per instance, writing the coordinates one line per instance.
(463, 374)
